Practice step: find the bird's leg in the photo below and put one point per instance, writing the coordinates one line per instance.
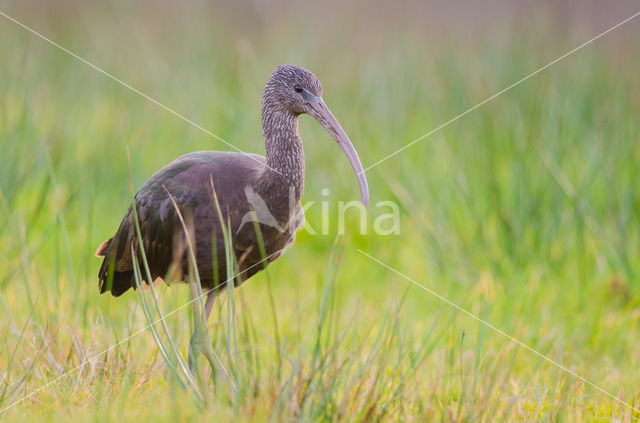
(208, 305)
(200, 342)
(195, 342)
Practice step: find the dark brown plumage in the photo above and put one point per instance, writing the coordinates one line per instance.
(269, 187)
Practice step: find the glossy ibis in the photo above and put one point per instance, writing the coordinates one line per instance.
(267, 188)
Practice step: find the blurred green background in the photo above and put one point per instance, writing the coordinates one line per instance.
(524, 212)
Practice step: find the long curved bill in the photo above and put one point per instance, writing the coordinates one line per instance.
(323, 115)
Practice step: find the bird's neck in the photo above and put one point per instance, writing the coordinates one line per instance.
(284, 176)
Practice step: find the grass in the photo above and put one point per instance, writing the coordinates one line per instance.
(523, 212)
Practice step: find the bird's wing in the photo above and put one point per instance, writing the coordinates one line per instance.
(188, 179)
(160, 229)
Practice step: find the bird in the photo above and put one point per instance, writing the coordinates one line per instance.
(217, 190)
(260, 212)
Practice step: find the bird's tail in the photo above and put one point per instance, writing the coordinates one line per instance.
(102, 249)
(117, 283)
(110, 280)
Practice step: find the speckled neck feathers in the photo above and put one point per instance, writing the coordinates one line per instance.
(285, 156)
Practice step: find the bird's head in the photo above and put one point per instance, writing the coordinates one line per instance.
(294, 90)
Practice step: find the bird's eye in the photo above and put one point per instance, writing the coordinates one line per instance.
(298, 88)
